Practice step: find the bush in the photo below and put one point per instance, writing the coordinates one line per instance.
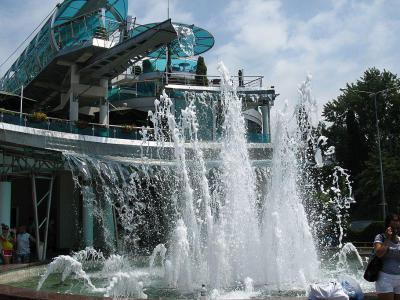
(81, 124)
(128, 128)
(39, 117)
(201, 72)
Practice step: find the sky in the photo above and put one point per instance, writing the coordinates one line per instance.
(283, 40)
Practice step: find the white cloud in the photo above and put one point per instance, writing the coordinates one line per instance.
(149, 11)
(336, 45)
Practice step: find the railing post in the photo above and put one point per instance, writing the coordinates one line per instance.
(20, 104)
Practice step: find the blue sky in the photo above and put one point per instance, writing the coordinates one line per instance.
(284, 40)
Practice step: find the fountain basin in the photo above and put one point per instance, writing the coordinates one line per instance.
(19, 282)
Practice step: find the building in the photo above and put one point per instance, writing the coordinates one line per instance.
(85, 84)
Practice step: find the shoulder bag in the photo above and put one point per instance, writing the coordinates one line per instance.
(373, 268)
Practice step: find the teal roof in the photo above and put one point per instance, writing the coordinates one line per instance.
(75, 21)
(71, 9)
(202, 41)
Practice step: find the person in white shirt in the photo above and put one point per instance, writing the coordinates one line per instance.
(23, 249)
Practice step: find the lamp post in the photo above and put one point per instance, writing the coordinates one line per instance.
(378, 136)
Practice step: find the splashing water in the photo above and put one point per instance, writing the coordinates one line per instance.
(124, 285)
(291, 259)
(347, 250)
(159, 250)
(226, 225)
(186, 39)
(88, 254)
(66, 265)
(115, 263)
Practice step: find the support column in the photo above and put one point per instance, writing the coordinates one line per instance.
(265, 122)
(5, 202)
(87, 215)
(73, 97)
(103, 117)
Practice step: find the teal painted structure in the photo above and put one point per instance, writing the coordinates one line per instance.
(177, 65)
(5, 202)
(203, 41)
(69, 27)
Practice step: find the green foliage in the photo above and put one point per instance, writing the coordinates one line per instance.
(81, 124)
(39, 116)
(352, 130)
(128, 128)
(201, 72)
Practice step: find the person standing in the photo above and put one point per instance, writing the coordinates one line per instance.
(7, 240)
(23, 247)
(387, 247)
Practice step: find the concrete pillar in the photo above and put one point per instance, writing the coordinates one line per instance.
(266, 122)
(104, 109)
(87, 215)
(73, 97)
(5, 202)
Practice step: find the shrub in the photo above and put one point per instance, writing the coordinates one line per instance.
(39, 117)
(128, 128)
(201, 72)
(81, 124)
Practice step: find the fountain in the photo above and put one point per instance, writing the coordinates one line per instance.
(208, 224)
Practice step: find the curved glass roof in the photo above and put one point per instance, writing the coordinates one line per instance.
(71, 9)
(75, 21)
(200, 39)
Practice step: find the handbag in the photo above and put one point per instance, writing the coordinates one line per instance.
(372, 271)
(374, 266)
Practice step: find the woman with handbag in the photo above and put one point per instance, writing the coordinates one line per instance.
(387, 248)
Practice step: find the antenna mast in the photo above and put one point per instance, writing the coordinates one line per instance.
(168, 10)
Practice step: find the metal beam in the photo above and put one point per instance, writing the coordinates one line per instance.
(48, 217)
(35, 211)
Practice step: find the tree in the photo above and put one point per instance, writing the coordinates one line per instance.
(201, 72)
(352, 130)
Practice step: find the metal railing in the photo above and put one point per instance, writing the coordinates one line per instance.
(85, 128)
(183, 78)
(127, 132)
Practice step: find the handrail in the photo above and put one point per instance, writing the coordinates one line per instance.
(95, 129)
(211, 80)
(68, 126)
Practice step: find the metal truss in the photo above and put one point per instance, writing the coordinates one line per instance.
(41, 220)
(16, 161)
